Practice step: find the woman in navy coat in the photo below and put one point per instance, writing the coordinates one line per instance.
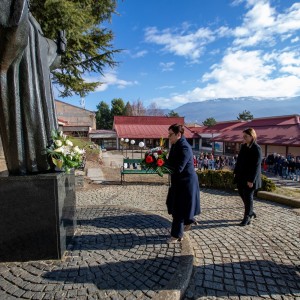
(247, 173)
(183, 200)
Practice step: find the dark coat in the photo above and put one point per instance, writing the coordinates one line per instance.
(248, 166)
(184, 195)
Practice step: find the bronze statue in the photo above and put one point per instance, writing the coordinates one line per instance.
(27, 109)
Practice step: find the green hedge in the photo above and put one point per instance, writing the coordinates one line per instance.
(220, 179)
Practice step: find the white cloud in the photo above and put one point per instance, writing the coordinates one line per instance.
(165, 87)
(289, 58)
(139, 54)
(295, 40)
(180, 42)
(243, 74)
(239, 64)
(263, 24)
(109, 79)
(165, 67)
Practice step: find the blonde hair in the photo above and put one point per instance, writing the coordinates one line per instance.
(251, 132)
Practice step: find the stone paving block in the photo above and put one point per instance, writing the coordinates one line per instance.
(131, 243)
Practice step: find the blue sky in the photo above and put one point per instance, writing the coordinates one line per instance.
(177, 52)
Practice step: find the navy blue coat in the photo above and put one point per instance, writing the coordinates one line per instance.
(248, 166)
(183, 199)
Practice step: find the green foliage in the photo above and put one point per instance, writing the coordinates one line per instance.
(216, 179)
(128, 109)
(223, 179)
(267, 184)
(117, 107)
(89, 47)
(103, 116)
(91, 149)
(245, 115)
(209, 122)
(172, 113)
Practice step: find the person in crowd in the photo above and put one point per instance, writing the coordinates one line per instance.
(292, 168)
(284, 168)
(297, 169)
(205, 163)
(200, 160)
(183, 200)
(211, 162)
(247, 173)
(217, 163)
(270, 162)
(195, 161)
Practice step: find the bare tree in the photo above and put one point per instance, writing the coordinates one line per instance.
(154, 110)
(138, 108)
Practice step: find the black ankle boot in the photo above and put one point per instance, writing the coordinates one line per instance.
(246, 221)
(253, 215)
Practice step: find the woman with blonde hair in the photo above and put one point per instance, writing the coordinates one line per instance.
(247, 172)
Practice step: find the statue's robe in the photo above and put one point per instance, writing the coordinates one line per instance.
(27, 110)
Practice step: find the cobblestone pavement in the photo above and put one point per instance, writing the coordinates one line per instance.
(260, 261)
(119, 251)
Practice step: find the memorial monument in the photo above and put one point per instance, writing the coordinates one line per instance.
(36, 204)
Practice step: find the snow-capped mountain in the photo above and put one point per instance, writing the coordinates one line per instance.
(226, 109)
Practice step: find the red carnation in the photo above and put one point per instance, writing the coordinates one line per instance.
(159, 152)
(149, 159)
(160, 162)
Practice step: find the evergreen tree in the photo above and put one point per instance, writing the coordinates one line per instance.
(103, 116)
(245, 115)
(128, 109)
(209, 122)
(89, 47)
(117, 107)
(172, 113)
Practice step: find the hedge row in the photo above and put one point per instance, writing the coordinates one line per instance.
(220, 179)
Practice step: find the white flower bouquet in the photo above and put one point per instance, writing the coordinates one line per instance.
(65, 156)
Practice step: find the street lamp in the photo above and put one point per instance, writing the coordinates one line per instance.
(132, 142)
(122, 144)
(141, 145)
(126, 141)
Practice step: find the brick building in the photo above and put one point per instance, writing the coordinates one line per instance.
(74, 120)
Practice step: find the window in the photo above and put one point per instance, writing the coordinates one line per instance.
(206, 142)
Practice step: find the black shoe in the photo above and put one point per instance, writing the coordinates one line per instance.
(246, 221)
(253, 215)
(189, 226)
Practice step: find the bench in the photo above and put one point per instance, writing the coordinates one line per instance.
(133, 166)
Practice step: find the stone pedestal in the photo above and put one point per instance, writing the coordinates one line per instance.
(37, 216)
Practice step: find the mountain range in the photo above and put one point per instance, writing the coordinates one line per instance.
(227, 109)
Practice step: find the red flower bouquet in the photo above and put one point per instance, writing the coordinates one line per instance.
(155, 161)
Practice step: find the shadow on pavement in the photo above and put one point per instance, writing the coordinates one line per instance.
(122, 241)
(133, 221)
(256, 278)
(216, 223)
(250, 278)
(127, 275)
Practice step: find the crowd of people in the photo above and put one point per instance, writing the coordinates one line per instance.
(207, 161)
(285, 167)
